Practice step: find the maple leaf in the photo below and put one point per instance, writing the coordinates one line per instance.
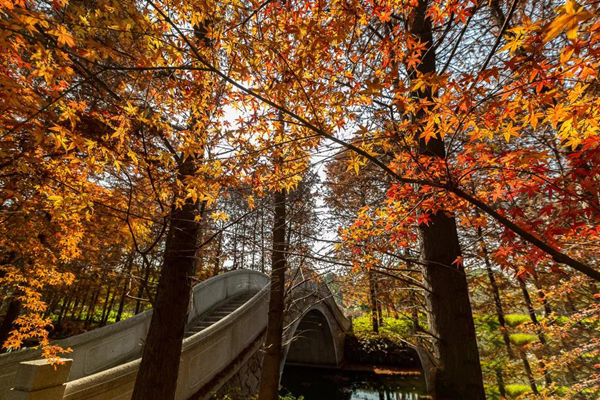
(458, 262)
(384, 16)
(510, 130)
(64, 37)
(428, 134)
(570, 16)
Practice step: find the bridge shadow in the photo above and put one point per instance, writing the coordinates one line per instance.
(311, 349)
(312, 343)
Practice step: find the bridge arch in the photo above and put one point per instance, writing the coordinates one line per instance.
(312, 341)
(315, 334)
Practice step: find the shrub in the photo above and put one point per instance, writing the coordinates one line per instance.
(517, 319)
(517, 389)
(521, 339)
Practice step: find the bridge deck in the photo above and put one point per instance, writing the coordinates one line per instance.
(218, 313)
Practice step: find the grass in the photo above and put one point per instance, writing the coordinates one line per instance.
(396, 326)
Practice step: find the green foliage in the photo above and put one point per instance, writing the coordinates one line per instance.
(517, 389)
(516, 319)
(396, 326)
(561, 320)
(237, 394)
(487, 322)
(521, 339)
(562, 390)
(380, 349)
(290, 396)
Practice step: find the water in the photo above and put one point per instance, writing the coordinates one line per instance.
(328, 384)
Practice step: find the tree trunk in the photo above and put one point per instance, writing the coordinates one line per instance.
(374, 318)
(543, 296)
(199, 263)
(64, 308)
(243, 252)
(500, 380)
(254, 230)
(140, 293)
(496, 295)
(110, 308)
(502, 320)
(262, 241)
(529, 373)
(157, 375)
(380, 313)
(125, 286)
(450, 315)
(269, 381)
(76, 303)
(110, 298)
(538, 327)
(235, 253)
(89, 320)
(51, 302)
(217, 267)
(379, 303)
(81, 305)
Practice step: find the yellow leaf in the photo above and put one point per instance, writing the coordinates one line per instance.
(570, 15)
(64, 37)
(510, 130)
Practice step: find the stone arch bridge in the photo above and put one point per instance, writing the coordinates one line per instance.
(225, 332)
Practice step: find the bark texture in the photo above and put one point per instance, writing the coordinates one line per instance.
(157, 376)
(269, 382)
(450, 315)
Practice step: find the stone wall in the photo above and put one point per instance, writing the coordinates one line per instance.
(240, 379)
(244, 384)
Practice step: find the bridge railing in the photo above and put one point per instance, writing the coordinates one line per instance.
(93, 351)
(204, 354)
(103, 354)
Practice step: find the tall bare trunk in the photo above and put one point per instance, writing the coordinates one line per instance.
(450, 314)
(157, 375)
(374, 318)
(125, 287)
(538, 328)
(496, 296)
(269, 381)
(499, 312)
(217, 266)
(500, 380)
(64, 308)
(542, 295)
(529, 372)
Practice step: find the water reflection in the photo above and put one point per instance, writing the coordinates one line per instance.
(327, 384)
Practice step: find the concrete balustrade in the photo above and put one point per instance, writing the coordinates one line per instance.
(106, 361)
(40, 380)
(117, 346)
(204, 354)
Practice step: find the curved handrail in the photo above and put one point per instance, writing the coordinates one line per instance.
(116, 344)
(222, 341)
(204, 355)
